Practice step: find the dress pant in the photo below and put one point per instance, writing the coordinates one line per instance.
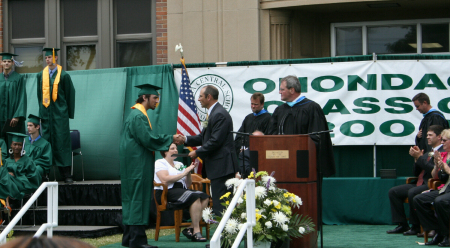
(218, 189)
(427, 217)
(65, 172)
(397, 195)
(134, 236)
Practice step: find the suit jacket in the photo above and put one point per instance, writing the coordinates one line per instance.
(217, 151)
(423, 163)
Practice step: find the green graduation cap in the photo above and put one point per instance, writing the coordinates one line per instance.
(147, 89)
(49, 51)
(34, 119)
(17, 137)
(7, 55)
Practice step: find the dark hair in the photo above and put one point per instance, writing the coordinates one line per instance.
(35, 125)
(141, 98)
(163, 153)
(44, 242)
(421, 97)
(292, 82)
(211, 90)
(259, 96)
(437, 129)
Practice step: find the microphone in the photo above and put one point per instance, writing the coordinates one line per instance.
(240, 133)
(281, 126)
(320, 132)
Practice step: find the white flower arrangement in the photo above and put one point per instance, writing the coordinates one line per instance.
(275, 218)
(204, 124)
(180, 167)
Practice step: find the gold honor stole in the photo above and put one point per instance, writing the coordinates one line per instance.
(141, 108)
(46, 85)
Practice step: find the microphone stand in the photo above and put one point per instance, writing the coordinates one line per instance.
(243, 155)
(319, 186)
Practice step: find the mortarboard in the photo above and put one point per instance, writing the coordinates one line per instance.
(147, 89)
(34, 119)
(7, 55)
(17, 137)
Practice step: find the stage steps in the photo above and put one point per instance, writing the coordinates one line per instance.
(85, 209)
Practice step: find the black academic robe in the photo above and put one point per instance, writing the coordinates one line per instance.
(250, 124)
(13, 100)
(432, 118)
(4, 148)
(306, 117)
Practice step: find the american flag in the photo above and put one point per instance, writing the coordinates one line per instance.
(188, 123)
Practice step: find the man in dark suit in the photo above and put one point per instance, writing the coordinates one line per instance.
(423, 166)
(217, 151)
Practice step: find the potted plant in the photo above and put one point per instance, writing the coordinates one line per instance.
(275, 220)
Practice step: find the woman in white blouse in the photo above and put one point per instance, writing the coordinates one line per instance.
(178, 178)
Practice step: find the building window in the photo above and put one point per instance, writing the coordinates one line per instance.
(396, 37)
(90, 33)
(134, 33)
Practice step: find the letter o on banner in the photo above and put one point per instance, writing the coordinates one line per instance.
(408, 128)
(443, 105)
(338, 83)
(270, 85)
(369, 128)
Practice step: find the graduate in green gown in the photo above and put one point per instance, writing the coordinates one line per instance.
(4, 152)
(37, 148)
(137, 143)
(13, 96)
(56, 99)
(18, 175)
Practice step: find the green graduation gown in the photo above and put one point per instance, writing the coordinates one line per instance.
(4, 150)
(24, 181)
(41, 154)
(137, 166)
(55, 118)
(13, 99)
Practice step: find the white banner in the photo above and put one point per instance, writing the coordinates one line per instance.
(365, 103)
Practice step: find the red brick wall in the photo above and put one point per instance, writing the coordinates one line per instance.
(161, 32)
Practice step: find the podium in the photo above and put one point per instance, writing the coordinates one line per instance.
(293, 158)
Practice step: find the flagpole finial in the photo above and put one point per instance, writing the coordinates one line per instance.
(179, 47)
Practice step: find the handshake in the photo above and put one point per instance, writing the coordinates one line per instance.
(179, 139)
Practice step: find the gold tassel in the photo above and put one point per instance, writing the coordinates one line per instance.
(54, 61)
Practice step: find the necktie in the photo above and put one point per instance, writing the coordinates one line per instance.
(420, 180)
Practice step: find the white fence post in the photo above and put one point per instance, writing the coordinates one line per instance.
(52, 205)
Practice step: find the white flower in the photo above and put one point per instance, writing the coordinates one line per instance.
(177, 166)
(275, 202)
(231, 226)
(233, 182)
(267, 202)
(204, 124)
(285, 227)
(265, 179)
(279, 218)
(272, 188)
(301, 230)
(243, 215)
(297, 201)
(260, 192)
(207, 214)
(240, 200)
(268, 224)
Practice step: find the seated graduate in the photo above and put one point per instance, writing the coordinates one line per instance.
(37, 148)
(4, 152)
(18, 175)
(178, 178)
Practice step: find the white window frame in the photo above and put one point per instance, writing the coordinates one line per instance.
(364, 25)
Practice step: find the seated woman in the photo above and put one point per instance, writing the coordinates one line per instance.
(178, 178)
(18, 175)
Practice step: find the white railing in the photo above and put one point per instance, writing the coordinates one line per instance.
(52, 211)
(249, 184)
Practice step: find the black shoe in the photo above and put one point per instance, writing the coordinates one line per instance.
(444, 242)
(436, 240)
(398, 229)
(68, 180)
(148, 246)
(197, 237)
(411, 231)
(207, 246)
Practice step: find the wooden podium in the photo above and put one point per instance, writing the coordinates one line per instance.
(293, 158)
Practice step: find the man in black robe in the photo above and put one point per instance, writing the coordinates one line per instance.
(300, 115)
(430, 117)
(259, 120)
